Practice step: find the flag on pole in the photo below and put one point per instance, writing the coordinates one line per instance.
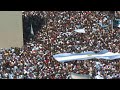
(32, 30)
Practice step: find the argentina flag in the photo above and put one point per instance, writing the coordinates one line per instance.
(104, 54)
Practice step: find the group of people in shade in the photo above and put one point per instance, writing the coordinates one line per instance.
(53, 34)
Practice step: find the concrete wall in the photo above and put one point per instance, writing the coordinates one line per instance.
(11, 29)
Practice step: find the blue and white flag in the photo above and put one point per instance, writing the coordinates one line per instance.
(104, 54)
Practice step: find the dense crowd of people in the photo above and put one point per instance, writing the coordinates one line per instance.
(56, 35)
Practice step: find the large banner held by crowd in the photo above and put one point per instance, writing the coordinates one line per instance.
(104, 54)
